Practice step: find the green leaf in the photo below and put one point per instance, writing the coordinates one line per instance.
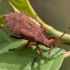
(22, 60)
(23, 6)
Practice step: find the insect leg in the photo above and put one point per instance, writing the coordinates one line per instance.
(12, 36)
(52, 39)
(24, 47)
(40, 50)
(21, 49)
(50, 49)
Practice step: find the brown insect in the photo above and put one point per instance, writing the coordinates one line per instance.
(21, 25)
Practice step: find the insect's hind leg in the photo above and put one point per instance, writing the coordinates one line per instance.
(16, 37)
(22, 48)
(40, 50)
(11, 36)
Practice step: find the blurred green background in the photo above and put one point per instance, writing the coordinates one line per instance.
(55, 13)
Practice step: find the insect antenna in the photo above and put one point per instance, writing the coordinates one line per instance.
(62, 35)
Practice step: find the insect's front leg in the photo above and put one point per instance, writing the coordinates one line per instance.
(40, 50)
(52, 37)
(52, 40)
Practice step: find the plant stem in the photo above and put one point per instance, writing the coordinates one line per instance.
(67, 54)
(54, 32)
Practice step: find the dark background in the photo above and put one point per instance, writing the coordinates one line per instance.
(55, 13)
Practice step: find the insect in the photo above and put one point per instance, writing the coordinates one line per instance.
(21, 25)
